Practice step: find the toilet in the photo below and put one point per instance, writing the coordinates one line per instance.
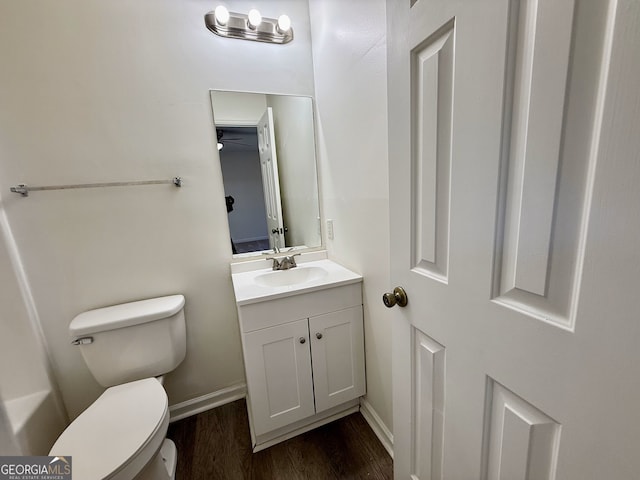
(121, 436)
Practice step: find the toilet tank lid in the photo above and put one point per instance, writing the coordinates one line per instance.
(125, 315)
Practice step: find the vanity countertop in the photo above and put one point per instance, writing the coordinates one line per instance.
(266, 284)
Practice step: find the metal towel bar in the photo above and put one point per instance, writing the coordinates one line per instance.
(24, 190)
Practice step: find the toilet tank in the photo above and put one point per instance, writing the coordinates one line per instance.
(132, 341)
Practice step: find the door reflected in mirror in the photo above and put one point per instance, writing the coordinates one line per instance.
(266, 145)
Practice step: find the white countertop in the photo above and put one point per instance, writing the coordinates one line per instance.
(248, 291)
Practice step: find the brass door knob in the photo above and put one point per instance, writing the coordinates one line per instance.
(398, 297)
(302, 340)
(318, 335)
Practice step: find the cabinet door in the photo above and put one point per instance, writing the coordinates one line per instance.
(278, 367)
(337, 348)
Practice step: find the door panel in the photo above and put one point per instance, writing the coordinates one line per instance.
(498, 115)
(428, 406)
(546, 159)
(535, 90)
(432, 95)
(521, 443)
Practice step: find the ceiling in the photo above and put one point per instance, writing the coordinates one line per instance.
(238, 139)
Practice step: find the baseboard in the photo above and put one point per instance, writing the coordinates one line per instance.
(377, 425)
(207, 402)
(310, 426)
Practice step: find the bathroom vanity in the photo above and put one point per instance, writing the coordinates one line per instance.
(303, 345)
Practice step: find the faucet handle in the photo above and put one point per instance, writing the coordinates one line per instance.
(291, 259)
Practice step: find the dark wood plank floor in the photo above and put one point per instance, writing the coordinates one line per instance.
(216, 445)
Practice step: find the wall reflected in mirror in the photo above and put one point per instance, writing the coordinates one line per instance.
(266, 145)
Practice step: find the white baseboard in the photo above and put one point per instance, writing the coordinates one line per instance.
(377, 425)
(207, 402)
(236, 392)
(318, 423)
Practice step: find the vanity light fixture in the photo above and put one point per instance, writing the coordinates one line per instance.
(252, 26)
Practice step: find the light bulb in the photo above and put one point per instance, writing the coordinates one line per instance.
(255, 18)
(222, 14)
(284, 23)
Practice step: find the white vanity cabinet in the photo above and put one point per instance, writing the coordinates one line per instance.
(304, 361)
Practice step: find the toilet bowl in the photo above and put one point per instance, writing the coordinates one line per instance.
(121, 436)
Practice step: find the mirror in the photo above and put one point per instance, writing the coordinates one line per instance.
(267, 153)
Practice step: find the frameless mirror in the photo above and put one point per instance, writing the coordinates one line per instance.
(266, 145)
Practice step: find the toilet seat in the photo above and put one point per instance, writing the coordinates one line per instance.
(119, 433)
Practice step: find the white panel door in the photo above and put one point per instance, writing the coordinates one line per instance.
(270, 179)
(337, 351)
(278, 367)
(515, 200)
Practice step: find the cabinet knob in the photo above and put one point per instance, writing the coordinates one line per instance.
(302, 340)
(318, 335)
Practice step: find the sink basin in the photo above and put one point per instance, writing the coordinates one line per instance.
(293, 276)
(261, 284)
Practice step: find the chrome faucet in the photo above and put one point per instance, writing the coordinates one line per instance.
(284, 263)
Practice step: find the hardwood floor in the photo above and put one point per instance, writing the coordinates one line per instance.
(216, 445)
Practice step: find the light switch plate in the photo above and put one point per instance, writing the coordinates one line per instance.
(330, 229)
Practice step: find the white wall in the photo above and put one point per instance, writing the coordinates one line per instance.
(349, 52)
(295, 146)
(96, 91)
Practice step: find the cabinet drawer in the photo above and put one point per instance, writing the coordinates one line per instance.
(283, 310)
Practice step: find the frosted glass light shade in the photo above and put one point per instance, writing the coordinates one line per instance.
(222, 14)
(284, 23)
(255, 18)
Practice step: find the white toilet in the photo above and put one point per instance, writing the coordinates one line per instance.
(121, 436)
